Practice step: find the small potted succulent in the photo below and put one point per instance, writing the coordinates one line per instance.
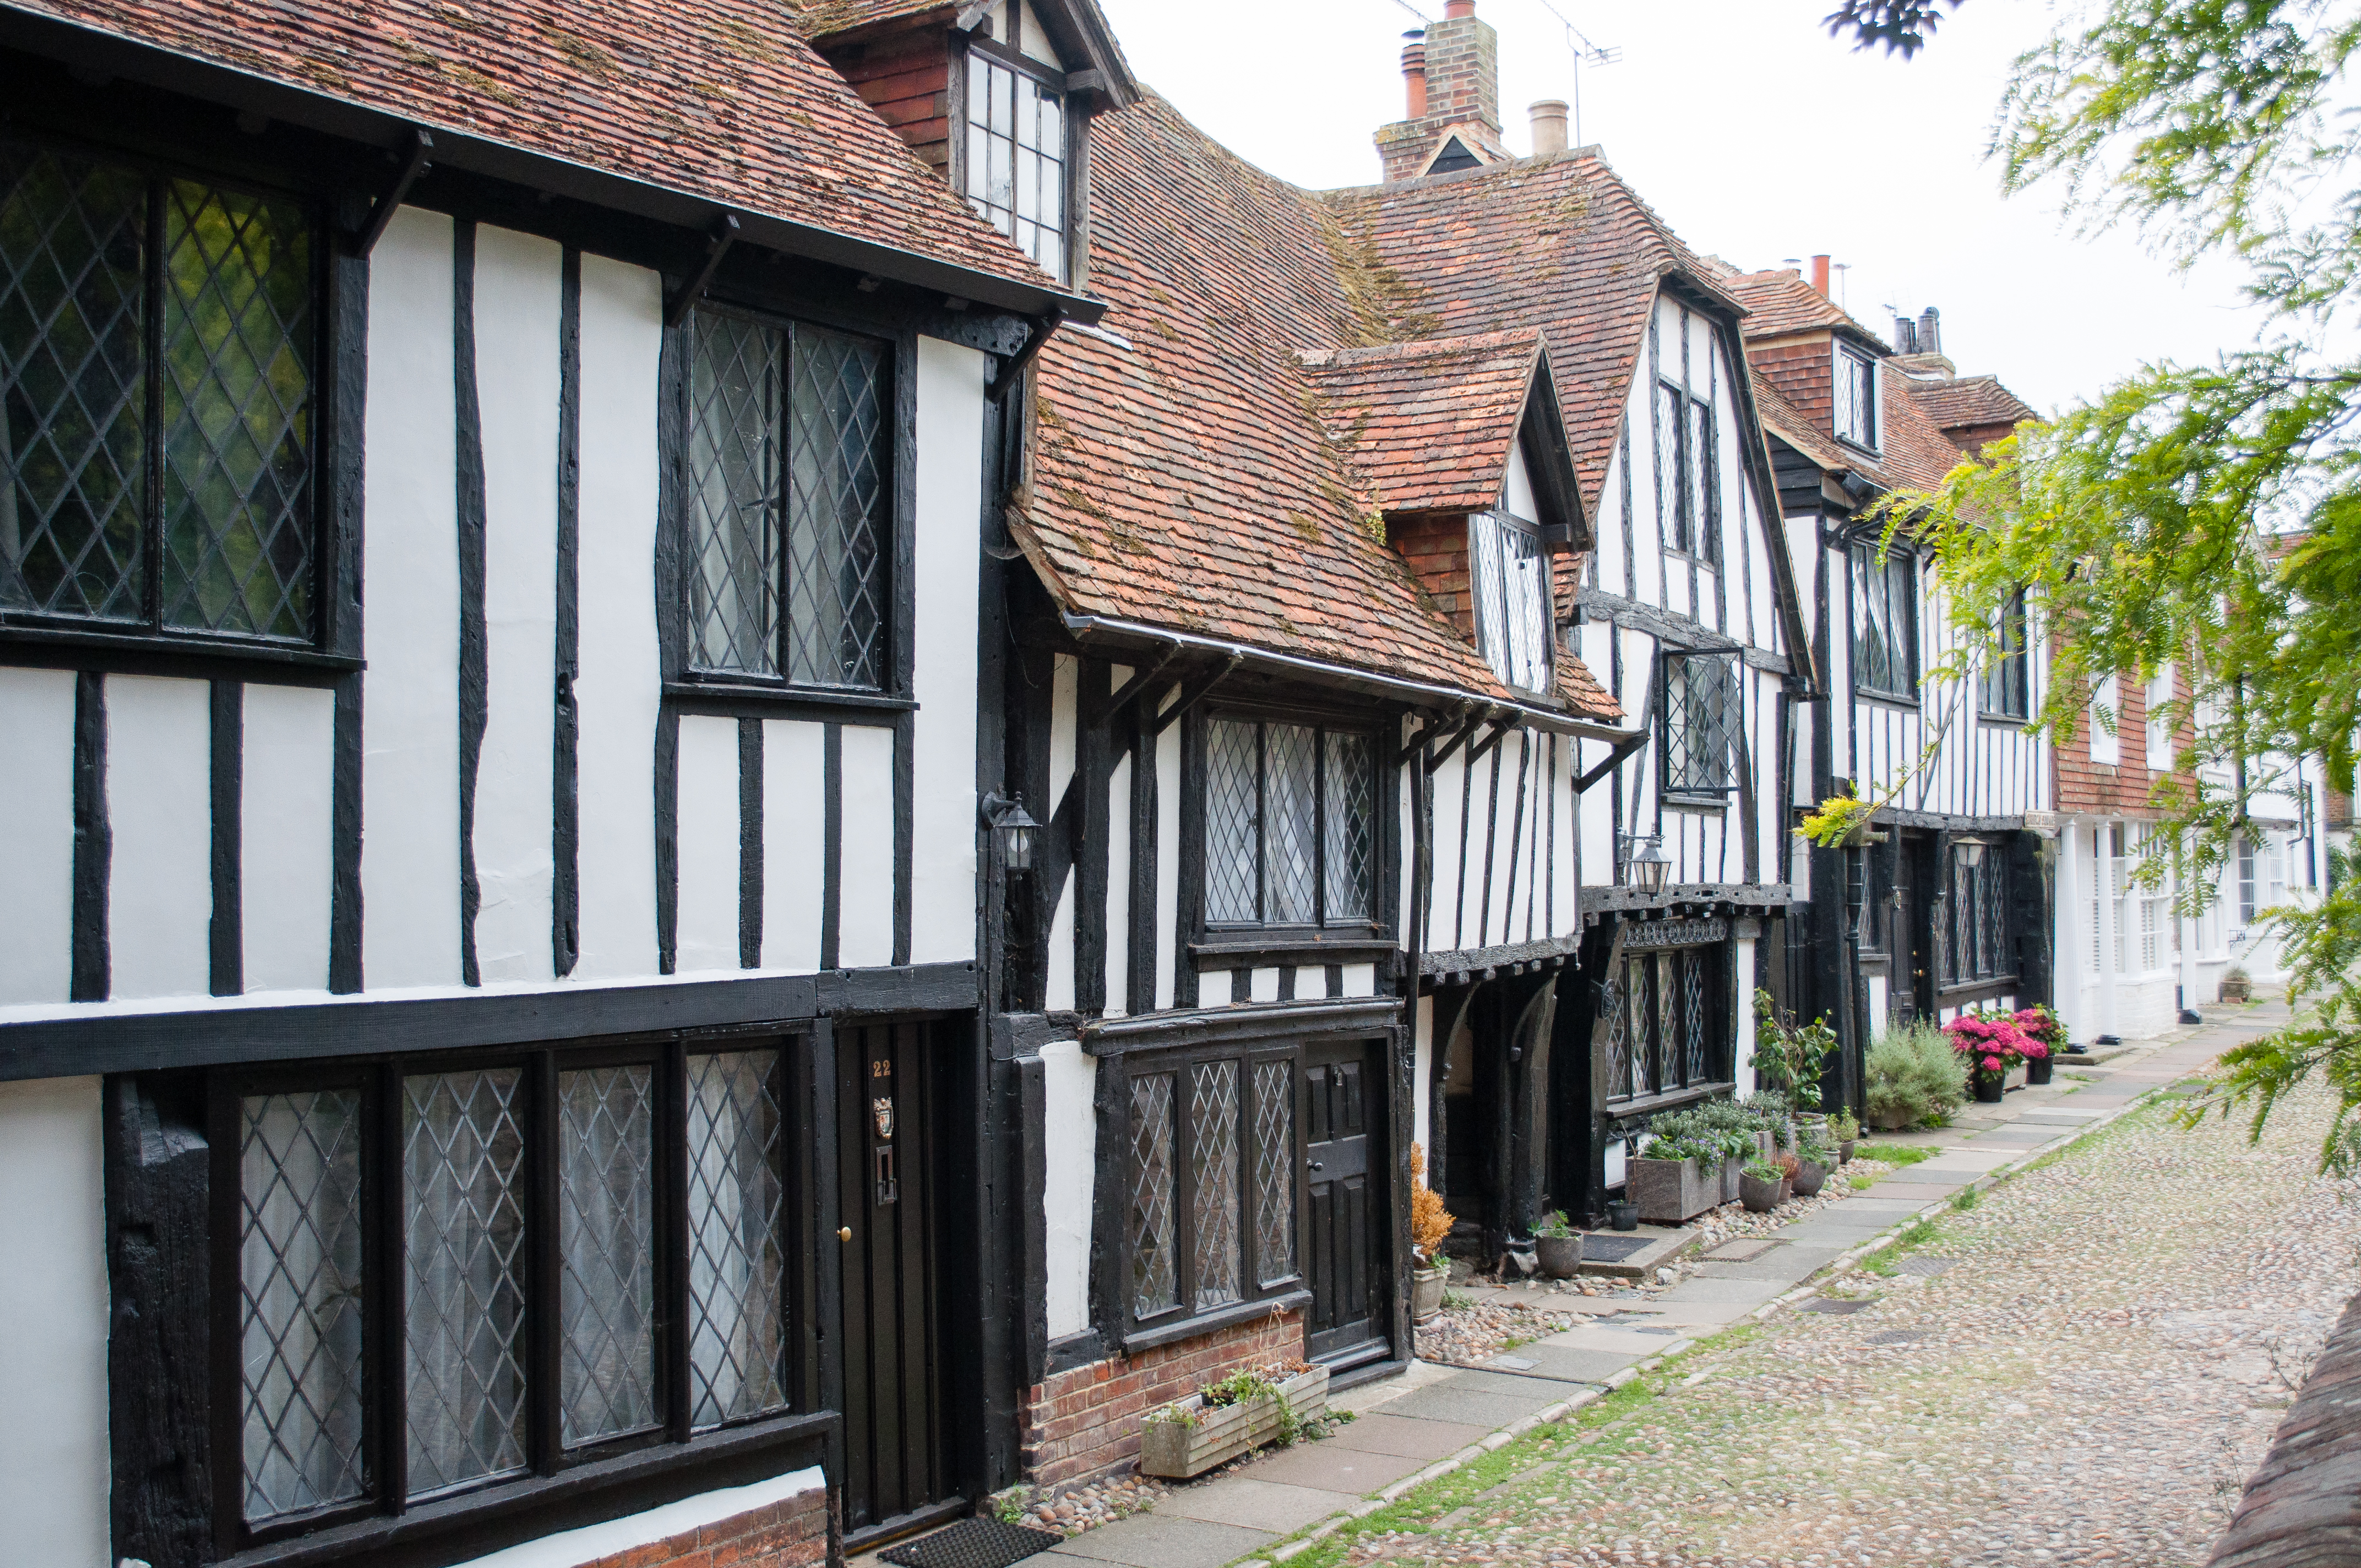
(1429, 1223)
(1559, 1245)
(1759, 1186)
(1844, 1131)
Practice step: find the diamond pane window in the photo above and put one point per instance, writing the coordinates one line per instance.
(1508, 574)
(1016, 156)
(1274, 1168)
(1619, 1036)
(156, 400)
(1704, 723)
(1886, 625)
(2005, 690)
(1349, 851)
(300, 1301)
(1154, 1259)
(1290, 824)
(1214, 1172)
(786, 511)
(464, 1229)
(606, 1243)
(737, 1260)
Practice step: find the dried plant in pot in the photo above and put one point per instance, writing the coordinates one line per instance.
(1430, 1225)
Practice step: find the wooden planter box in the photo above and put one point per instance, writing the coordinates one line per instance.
(1672, 1191)
(1181, 1449)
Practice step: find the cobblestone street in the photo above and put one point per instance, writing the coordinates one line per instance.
(2081, 1368)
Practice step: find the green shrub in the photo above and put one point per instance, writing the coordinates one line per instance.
(1912, 1074)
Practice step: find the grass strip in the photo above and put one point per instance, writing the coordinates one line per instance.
(1895, 1154)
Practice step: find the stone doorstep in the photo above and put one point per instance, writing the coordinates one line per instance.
(1669, 1244)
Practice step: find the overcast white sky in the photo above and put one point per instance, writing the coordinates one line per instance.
(1757, 136)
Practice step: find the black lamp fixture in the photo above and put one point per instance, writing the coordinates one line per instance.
(1971, 851)
(1014, 832)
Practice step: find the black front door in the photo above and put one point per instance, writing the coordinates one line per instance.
(1914, 888)
(1344, 1207)
(894, 1461)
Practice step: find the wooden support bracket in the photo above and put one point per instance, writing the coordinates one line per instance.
(717, 246)
(412, 165)
(1196, 692)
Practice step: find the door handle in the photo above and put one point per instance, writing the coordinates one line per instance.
(844, 1233)
(1313, 1164)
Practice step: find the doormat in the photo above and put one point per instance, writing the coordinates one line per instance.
(1608, 1247)
(972, 1543)
(1824, 1304)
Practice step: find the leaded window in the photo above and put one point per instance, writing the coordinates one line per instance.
(1014, 156)
(1704, 723)
(1290, 824)
(787, 513)
(1688, 485)
(1974, 935)
(522, 1290)
(1668, 1023)
(1212, 1214)
(159, 343)
(1886, 620)
(2008, 689)
(1856, 399)
(1508, 573)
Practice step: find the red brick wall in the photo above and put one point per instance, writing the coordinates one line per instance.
(1085, 1422)
(786, 1534)
(1435, 546)
(907, 81)
(2124, 788)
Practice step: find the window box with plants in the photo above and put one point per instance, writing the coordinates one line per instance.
(1675, 1179)
(1242, 1412)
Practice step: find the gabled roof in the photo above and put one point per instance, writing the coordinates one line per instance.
(1913, 455)
(1185, 474)
(1431, 424)
(1077, 27)
(720, 102)
(1969, 402)
(1779, 302)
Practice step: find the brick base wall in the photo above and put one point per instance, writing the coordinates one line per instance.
(1085, 1422)
(790, 1533)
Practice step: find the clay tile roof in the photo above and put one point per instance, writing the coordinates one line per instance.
(1792, 425)
(1431, 424)
(1971, 401)
(1559, 243)
(720, 100)
(828, 20)
(1913, 455)
(1184, 474)
(1779, 302)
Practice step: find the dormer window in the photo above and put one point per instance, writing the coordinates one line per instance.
(1508, 571)
(1013, 156)
(1856, 399)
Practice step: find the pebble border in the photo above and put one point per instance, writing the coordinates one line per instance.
(2066, 1137)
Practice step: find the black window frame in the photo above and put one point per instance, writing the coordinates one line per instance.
(750, 693)
(1637, 1078)
(1007, 55)
(339, 291)
(2005, 689)
(1873, 570)
(674, 1448)
(1374, 925)
(1185, 1317)
(1502, 660)
(1689, 526)
(1975, 924)
(1870, 436)
(1675, 705)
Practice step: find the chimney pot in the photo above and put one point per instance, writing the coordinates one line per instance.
(1820, 275)
(1414, 80)
(1930, 332)
(1456, 8)
(1549, 126)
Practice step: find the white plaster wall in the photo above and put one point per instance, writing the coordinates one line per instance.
(37, 713)
(1421, 1070)
(1118, 902)
(1747, 949)
(1167, 854)
(410, 706)
(1218, 988)
(1563, 872)
(943, 803)
(1360, 979)
(706, 925)
(159, 808)
(287, 848)
(795, 781)
(518, 286)
(1443, 898)
(1064, 684)
(54, 1302)
(865, 897)
(597, 1543)
(1070, 1148)
(1263, 986)
(618, 689)
(1616, 1153)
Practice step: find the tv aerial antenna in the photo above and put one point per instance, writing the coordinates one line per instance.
(1585, 52)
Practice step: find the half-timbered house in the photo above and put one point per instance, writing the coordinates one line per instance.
(1949, 909)
(1539, 1064)
(490, 952)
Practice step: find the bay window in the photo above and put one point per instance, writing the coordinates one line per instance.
(1668, 1022)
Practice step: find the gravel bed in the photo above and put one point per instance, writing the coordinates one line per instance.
(1101, 1502)
(2089, 1384)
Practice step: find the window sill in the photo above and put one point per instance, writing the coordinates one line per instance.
(1978, 990)
(1887, 699)
(1670, 1100)
(460, 1528)
(731, 698)
(1687, 801)
(1266, 949)
(2013, 720)
(150, 653)
(1165, 1331)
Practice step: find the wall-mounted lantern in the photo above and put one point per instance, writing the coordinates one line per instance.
(1014, 832)
(1649, 868)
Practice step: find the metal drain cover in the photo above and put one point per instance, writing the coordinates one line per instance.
(1896, 1336)
(972, 1543)
(1923, 1267)
(1825, 1304)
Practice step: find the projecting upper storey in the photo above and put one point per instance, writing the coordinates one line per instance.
(680, 114)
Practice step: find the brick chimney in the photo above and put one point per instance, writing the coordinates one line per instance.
(1918, 348)
(1453, 84)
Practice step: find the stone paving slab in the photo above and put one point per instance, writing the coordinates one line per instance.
(1954, 1155)
(1786, 1265)
(1486, 1410)
(1918, 1193)
(1961, 1175)
(2016, 1133)
(1876, 1201)
(1614, 1341)
(1583, 1365)
(1505, 1385)
(1325, 1467)
(1259, 1502)
(1163, 1541)
(1378, 1433)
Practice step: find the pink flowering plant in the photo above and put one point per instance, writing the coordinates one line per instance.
(2044, 1031)
(1992, 1042)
